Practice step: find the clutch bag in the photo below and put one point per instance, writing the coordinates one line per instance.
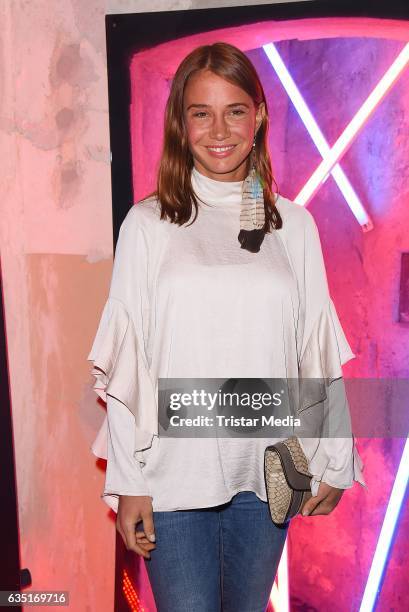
(287, 479)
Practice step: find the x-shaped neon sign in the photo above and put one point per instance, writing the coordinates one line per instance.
(331, 156)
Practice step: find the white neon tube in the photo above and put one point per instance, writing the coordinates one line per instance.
(314, 131)
(354, 126)
(385, 537)
(280, 595)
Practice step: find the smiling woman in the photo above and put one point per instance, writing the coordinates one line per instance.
(216, 119)
(192, 299)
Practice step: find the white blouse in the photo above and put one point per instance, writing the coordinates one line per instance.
(188, 302)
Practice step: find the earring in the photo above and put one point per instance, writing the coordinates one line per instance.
(252, 214)
(255, 180)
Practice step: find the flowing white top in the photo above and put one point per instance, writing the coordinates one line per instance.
(188, 302)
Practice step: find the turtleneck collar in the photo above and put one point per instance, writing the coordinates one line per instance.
(217, 194)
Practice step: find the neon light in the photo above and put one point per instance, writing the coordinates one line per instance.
(274, 597)
(282, 575)
(387, 531)
(130, 594)
(279, 595)
(314, 131)
(354, 127)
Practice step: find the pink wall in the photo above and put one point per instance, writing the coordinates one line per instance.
(335, 63)
(56, 256)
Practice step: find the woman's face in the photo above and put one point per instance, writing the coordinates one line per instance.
(221, 121)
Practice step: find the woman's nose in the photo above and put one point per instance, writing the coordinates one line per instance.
(219, 128)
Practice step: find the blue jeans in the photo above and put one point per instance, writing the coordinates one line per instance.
(218, 559)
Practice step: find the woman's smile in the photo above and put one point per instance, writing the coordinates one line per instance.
(220, 150)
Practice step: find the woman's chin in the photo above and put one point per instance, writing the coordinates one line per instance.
(222, 166)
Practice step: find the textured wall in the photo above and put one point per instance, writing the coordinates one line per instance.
(56, 237)
(56, 249)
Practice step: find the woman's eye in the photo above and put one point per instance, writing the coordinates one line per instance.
(238, 111)
(200, 114)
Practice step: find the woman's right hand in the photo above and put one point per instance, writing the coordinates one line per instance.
(131, 510)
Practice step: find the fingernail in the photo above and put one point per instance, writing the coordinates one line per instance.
(305, 513)
(151, 537)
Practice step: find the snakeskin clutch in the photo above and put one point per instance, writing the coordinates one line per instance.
(287, 479)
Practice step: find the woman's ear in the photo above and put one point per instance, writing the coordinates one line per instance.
(260, 114)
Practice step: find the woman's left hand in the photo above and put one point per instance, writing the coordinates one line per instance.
(324, 502)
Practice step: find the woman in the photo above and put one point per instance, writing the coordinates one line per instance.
(214, 277)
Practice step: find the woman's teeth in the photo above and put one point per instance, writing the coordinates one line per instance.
(221, 149)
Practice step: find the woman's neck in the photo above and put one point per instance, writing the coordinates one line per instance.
(217, 194)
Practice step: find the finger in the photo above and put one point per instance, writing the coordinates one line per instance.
(141, 537)
(140, 533)
(140, 549)
(148, 526)
(147, 547)
(142, 540)
(311, 504)
(131, 542)
(322, 508)
(145, 543)
(327, 505)
(335, 500)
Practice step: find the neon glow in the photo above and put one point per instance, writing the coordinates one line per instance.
(131, 595)
(354, 127)
(387, 531)
(314, 131)
(279, 595)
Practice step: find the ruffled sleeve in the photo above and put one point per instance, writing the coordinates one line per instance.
(334, 458)
(120, 370)
(123, 475)
(324, 354)
(323, 350)
(336, 462)
(120, 363)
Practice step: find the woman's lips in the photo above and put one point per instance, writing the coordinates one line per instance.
(220, 152)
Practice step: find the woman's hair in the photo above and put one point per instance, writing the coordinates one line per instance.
(174, 189)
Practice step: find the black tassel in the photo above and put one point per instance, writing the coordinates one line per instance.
(251, 240)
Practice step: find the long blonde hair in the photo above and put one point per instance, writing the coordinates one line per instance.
(174, 189)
